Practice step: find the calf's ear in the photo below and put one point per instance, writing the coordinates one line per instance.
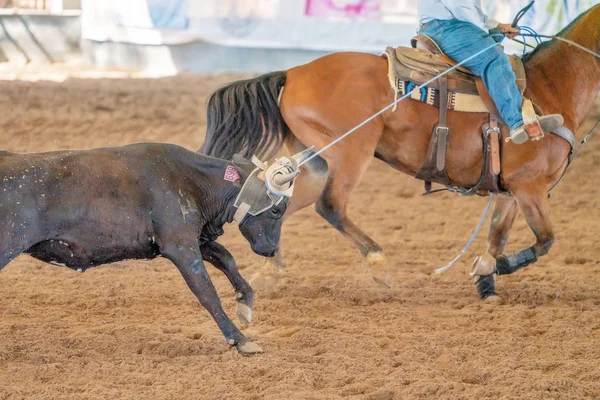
(243, 165)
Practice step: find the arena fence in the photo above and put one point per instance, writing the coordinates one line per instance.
(43, 6)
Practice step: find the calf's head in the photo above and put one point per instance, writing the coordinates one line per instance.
(264, 230)
(263, 200)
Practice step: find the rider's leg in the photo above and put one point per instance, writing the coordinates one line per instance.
(460, 40)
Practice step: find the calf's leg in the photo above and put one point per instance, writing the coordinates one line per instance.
(188, 259)
(222, 259)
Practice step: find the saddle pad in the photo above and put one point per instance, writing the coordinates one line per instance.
(416, 66)
(456, 101)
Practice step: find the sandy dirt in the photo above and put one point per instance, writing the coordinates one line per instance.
(133, 330)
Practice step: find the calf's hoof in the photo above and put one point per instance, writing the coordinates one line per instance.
(248, 348)
(377, 262)
(244, 314)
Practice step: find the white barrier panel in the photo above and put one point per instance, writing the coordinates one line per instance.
(322, 25)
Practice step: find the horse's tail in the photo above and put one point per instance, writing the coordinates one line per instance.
(244, 117)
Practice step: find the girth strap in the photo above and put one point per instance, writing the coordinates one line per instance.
(434, 168)
(442, 130)
(490, 177)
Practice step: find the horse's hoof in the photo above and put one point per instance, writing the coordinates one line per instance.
(376, 259)
(244, 314)
(248, 348)
(493, 299)
(378, 264)
(483, 272)
(483, 265)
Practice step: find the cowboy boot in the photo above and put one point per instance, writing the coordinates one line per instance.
(534, 127)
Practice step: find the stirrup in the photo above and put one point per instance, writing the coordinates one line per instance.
(536, 130)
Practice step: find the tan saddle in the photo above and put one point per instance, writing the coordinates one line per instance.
(424, 62)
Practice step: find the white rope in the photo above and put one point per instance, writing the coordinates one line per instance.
(464, 250)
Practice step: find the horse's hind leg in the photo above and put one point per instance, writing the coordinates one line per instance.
(533, 201)
(307, 189)
(316, 119)
(505, 212)
(222, 259)
(344, 177)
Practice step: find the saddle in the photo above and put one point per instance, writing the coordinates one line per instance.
(459, 90)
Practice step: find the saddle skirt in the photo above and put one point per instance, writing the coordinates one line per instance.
(410, 67)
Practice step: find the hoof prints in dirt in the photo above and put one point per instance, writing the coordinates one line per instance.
(133, 330)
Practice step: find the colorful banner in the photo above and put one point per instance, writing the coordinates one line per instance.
(342, 8)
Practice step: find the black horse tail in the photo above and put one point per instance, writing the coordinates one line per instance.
(244, 117)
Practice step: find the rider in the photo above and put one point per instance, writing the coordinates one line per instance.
(461, 29)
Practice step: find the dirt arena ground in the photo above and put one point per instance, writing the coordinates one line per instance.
(133, 330)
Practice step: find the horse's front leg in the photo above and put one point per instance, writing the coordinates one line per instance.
(504, 215)
(532, 200)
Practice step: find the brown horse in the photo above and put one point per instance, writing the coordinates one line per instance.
(315, 103)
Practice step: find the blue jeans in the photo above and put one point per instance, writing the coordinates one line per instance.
(460, 40)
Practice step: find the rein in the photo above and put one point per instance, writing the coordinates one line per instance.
(562, 39)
